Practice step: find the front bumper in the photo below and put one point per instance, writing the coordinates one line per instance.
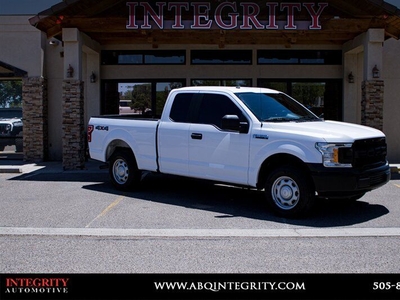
(347, 181)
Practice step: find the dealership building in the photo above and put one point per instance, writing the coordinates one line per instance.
(81, 58)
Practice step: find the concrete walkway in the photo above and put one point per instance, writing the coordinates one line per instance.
(21, 167)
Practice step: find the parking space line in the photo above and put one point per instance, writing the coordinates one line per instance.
(398, 185)
(205, 233)
(105, 211)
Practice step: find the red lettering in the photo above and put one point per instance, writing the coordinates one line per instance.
(226, 15)
(64, 281)
(45, 282)
(315, 14)
(10, 282)
(178, 13)
(36, 282)
(272, 15)
(132, 15)
(290, 13)
(250, 13)
(149, 11)
(233, 16)
(198, 15)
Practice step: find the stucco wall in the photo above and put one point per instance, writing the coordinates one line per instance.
(21, 45)
(391, 110)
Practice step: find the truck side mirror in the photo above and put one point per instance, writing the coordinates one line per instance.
(232, 123)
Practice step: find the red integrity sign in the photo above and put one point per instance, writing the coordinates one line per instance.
(243, 15)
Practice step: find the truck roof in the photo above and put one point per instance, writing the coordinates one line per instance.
(231, 89)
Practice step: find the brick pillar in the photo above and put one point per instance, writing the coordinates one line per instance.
(73, 125)
(372, 103)
(35, 119)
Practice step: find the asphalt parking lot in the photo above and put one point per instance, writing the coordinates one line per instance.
(53, 220)
(48, 186)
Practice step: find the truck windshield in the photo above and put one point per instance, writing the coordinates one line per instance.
(276, 108)
(10, 113)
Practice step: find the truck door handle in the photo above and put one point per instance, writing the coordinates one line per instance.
(197, 136)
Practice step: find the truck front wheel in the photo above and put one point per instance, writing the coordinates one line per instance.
(289, 192)
(123, 170)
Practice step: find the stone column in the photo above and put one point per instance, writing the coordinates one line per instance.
(73, 125)
(35, 119)
(372, 103)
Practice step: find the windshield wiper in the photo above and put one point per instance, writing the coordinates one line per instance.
(308, 119)
(280, 119)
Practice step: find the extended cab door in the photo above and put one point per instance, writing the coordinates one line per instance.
(216, 153)
(173, 136)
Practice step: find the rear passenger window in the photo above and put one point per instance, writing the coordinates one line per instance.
(214, 107)
(181, 108)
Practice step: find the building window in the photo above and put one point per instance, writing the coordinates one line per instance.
(145, 97)
(299, 57)
(221, 82)
(147, 57)
(322, 97)
(221, 57)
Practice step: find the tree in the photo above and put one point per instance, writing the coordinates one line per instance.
(10, 93)
(141, 97)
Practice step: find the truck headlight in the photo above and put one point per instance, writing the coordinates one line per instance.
(336, 155)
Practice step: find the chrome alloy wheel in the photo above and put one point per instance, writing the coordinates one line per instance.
(120, 171)
(285, 193)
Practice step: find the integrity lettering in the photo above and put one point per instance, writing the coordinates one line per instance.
(226, 16)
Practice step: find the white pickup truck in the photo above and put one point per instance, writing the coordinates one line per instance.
(253, 137)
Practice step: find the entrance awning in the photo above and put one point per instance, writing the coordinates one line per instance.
(8, 71)
(105, 21)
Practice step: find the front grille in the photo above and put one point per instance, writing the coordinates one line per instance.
(373, 180)
(3, 129)
(369, 153)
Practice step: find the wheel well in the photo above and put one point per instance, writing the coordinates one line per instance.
(277, 160)
(115, 145)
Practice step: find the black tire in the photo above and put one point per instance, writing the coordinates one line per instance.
(19, 146)
(289, 192)
(123, 170)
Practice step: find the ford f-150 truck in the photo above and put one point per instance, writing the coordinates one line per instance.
(253, 137)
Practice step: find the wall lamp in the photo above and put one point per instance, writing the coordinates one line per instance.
(351, 77)
(70, 72)
(93, 77)
(54, 43)
(376, 72)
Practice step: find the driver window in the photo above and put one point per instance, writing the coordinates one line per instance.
(214, 107)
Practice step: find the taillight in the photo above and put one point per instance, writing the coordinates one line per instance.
(89, 133)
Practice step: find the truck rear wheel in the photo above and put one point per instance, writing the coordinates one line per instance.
(123, 170)
(289, 192)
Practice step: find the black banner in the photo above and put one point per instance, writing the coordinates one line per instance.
(200, 286)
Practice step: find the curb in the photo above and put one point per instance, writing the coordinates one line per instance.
(20, 169)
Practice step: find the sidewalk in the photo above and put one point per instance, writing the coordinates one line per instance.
(20, 167)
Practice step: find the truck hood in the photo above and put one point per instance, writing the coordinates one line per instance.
(8, 120)
(330, 131)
